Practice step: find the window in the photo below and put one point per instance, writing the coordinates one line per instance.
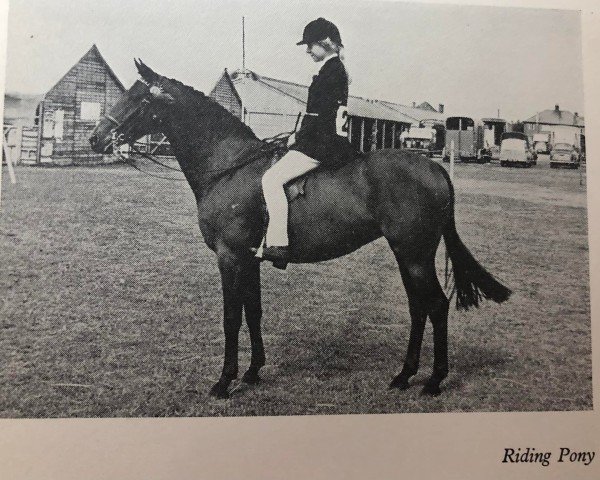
(90, 111)
(48, 119)
(59, 119)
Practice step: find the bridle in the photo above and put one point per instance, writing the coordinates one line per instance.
(118, 139)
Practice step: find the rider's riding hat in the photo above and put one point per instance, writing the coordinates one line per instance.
(320, 29)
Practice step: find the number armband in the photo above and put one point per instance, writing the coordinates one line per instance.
(341, 121)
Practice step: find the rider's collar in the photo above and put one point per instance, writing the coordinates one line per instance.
(329, 57)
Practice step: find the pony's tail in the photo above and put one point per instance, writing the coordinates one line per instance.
(471, 280)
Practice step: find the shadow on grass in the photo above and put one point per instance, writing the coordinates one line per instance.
(352, 350)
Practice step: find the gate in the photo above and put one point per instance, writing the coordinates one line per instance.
(22, 143)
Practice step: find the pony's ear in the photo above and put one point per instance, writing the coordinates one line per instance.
(145, 71)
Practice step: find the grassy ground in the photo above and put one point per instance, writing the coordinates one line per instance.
(111, 306)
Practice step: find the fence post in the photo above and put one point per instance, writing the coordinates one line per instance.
(7, 155)
(11, 172)
(19, 145)
(452, 160)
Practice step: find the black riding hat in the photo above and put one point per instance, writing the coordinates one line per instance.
(320, 29)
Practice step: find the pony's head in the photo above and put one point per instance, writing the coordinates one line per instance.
(139, 112)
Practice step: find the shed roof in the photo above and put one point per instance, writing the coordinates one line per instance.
(557, 117)
(416, 113)
(260, 93)
(364, 107)
(493, 120)
(426, 106)
(95, 52)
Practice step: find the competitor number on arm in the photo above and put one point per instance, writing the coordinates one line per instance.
(341, 121)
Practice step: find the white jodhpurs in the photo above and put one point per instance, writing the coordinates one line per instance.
(292, 165)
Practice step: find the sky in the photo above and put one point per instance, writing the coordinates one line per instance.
(475, 60)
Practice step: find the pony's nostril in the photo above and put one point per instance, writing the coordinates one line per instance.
(93, 140)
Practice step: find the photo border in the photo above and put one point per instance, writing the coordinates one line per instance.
(390, 446)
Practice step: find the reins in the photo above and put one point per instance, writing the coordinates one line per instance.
(131, 162)
(152, 159)
(270, 145)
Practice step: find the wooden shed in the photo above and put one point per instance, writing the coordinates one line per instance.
(69, 111)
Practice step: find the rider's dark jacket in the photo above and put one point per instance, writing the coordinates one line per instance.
(317, 135)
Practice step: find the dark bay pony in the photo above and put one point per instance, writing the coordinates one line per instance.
(402, 196)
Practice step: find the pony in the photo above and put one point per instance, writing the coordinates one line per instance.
(402, 196)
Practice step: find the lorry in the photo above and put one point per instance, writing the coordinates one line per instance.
(474, 141)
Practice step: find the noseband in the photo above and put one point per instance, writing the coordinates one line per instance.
(134, 113)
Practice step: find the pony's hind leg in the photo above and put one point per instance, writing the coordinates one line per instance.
(438, 314)
(425, 298)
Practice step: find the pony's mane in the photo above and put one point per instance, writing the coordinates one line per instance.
(217, 110)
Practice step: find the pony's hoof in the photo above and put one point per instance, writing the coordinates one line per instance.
(251, 378)
(399, 383)
(432, 389)
(219, 391)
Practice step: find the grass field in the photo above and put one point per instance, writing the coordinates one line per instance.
(111, 306)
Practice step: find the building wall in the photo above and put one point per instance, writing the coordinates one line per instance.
(71, 109)
(559, 133)
(224, 95)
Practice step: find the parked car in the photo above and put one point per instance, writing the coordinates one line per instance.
(564, 155)
(541, 147)
(541, 142)
(515, 150)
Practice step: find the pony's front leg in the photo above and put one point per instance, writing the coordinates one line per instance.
(253, 312)
(231, 268)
